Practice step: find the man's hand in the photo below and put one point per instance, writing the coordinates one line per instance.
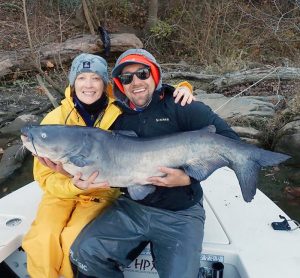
(89, 183)
(184, 94)
(172, 178)
(55, 166)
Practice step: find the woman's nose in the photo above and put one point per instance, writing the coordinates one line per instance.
(88, 82)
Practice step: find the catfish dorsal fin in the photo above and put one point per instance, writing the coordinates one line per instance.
(210, 129)
(130, 133)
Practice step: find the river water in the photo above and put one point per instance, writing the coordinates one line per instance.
(271, 183)
(21, 177)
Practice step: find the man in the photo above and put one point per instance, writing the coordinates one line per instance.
(172, 217)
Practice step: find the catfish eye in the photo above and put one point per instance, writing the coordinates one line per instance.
(43, 135)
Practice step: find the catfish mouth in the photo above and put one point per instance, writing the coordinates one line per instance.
(25, 133)
(27, 139)
(24, 138)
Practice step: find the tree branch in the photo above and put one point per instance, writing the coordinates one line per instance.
(88, 17)
(46, 91)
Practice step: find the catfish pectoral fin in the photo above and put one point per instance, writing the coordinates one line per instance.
(201, 170)
(139, 192)
(79, 161)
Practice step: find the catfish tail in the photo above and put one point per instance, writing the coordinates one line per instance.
(247, 172)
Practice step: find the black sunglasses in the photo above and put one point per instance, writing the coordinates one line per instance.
(143, 74)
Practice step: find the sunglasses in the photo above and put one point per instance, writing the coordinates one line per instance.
(143, 74)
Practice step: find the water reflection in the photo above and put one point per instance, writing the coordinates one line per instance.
(21, 177)
(272, 183)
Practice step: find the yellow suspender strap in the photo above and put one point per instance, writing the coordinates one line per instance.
(111, 114)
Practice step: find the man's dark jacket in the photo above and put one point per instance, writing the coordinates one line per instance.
(163, 116)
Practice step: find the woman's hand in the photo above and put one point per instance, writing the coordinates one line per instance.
(89, 183)
(172, 178)
(77, 181)
(55, 166)
(184, 95)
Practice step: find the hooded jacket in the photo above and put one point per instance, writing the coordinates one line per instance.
(56, 183)
(134, 56)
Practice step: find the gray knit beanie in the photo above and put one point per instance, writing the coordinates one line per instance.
(88, 63)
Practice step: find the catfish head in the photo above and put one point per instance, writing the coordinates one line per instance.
(57, 142)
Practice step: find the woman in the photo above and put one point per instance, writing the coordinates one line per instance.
(69, 203)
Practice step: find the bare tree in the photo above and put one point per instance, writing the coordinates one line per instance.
(34, 57)
(152, 13)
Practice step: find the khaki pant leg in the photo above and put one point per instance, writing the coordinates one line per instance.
(42, 242)
(82, 215)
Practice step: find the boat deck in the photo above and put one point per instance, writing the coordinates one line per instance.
(237, 233)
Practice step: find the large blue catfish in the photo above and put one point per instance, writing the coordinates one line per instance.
(126, 161)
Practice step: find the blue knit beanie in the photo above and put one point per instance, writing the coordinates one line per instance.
(88, 63)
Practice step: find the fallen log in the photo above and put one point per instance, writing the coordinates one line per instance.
(221, 82)
(254, 75)
(16, 61)
(190, 76)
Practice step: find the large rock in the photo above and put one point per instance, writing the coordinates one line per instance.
(14, 127)
(248, 134)
(253, 107)
(288, 141)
